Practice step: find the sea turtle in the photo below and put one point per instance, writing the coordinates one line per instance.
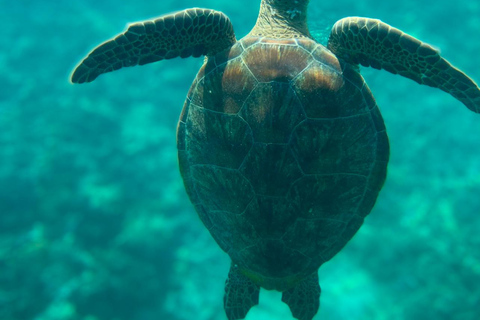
(281, 145)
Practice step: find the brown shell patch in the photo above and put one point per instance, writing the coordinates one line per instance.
(279, 41)
(275, 62)
(325, 93)
(325, 56)
(307, 44)
(235, 51)
(249, 41)
(318, 89)
(237, 83)
(224, 88)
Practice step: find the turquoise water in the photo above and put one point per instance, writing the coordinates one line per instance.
(95, 223)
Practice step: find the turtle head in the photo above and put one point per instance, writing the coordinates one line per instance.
(291, 9)
(282, 19)
(290, 2)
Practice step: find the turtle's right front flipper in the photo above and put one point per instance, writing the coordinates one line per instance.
(371, 42)
(193, 32)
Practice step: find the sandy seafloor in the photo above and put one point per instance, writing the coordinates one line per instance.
(95, 223)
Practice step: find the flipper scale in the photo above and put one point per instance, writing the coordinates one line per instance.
(371, 42)
(192, 32)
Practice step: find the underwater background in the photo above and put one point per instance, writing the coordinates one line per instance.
(95, 223)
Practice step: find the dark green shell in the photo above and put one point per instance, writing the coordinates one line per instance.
(283, 152)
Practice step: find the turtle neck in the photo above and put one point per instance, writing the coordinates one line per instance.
(282, 19)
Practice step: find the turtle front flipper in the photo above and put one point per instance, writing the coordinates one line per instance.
(371, 42)
(304, 298)
(241, 294)
(193, 32)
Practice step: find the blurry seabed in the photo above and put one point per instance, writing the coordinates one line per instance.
(94, 222)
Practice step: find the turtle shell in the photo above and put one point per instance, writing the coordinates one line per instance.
(283, 152)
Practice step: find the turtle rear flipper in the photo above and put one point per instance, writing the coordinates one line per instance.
(370, 42)
(304, 298)
(193, 32)
(241, 294)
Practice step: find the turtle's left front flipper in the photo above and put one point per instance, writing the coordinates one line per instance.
(192, 32)
(371, 42)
